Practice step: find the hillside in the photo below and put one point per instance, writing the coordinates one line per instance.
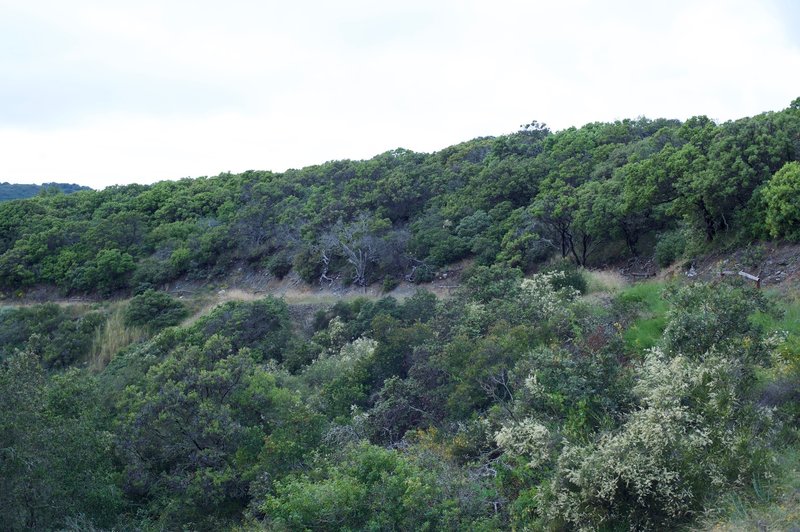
(591, 195)
(13, 191)
(527, 332)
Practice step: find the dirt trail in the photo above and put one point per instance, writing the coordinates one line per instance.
(247, 285)
(777, 264)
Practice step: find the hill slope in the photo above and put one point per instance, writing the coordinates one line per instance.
(12, 191)
(590, 195)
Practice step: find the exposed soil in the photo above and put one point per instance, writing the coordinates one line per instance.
(776, 265)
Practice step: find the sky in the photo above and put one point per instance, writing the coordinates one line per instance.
(113, 92)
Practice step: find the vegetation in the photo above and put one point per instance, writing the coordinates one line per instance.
(601, 192)
(9, 191)
(536, 397)
(155, 310)
(521, 404)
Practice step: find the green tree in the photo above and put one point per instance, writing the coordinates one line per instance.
(55, 459)
(192, 434)
(782, 197)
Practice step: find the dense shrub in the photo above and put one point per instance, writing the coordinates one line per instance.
(61, 336)
(692, 438)
(705, 316)
(154, 310)
(782, 196)
(670, 247)
(263, 326)
(280, 264)
(571, 276)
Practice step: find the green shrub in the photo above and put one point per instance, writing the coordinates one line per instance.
(390, 283)
(307, 265)
(669, 248)
(150, 274)
(280, 264)
(262, 326)
(706, 316)
(782, 196)
(424, 274)
(154, 310)
(572, 277)
(61, 336)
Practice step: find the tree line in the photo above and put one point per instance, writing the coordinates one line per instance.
(588, 194)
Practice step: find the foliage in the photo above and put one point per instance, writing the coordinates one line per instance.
(703, 317)
(370, 489)
(782, 197)
(154, 310)
(193, 432)
(12, 191)
(669, 248)
(263, 326)
(514, 403)
(61, 336)
(569, 276)
(515, 200)
(55, 458)
(691, 438)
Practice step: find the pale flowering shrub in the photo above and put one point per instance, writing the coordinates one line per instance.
(357, 350)
(540, 293)
(540, 301)
(535, 389)
(783, 356)
(693, 436)
(528, 439)
(337, 331)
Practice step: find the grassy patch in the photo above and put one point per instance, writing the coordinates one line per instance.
(644, 333)
(646, 330)
(766, 505)
(789, 321)
(604, 281)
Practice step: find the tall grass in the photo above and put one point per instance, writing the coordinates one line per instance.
(765, 505)
(788, 321)
(604, 281)
(114, 336)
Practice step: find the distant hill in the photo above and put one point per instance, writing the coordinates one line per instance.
(12, 191)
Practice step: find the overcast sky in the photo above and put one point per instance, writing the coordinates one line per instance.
(108, 92)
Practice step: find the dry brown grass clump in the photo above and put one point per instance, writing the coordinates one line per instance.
(114, 336)
(604, 281)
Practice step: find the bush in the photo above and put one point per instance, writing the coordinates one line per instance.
(307, 265)
(572, 277)
(423, 274)
(390, 283)
(669, 248)
(704, 316)
(262, 326)
(154, 310)
(280, 264)
(782, 195)
(60, 336)
(150, 274)
(693, 437)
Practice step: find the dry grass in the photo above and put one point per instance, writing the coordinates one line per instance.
(604, 281)
(114, 336)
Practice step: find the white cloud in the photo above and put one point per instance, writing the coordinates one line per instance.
(102, 93)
